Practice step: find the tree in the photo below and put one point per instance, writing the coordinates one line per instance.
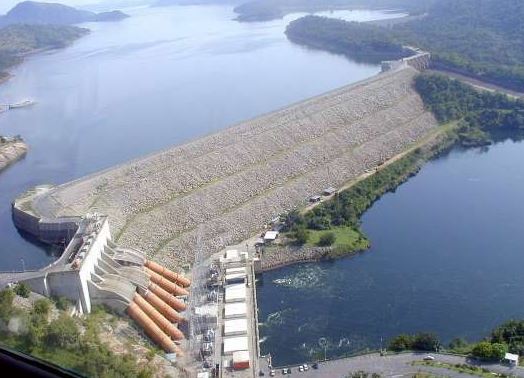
(23, 290)
(62, 303)
(510, 333)
(401, 342)
(327, 239)
(498, 351)
(6, 303)
(62, 332)
(41, 308)
(489, 352)
(301, 236)
(425, 341)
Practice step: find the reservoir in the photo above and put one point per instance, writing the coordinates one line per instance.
(446, 257)
(160, 78)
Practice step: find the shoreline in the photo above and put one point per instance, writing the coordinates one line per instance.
(11, 152)
(287, 254)
(277, 143)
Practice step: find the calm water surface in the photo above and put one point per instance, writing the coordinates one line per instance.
(447, 257)
(161, 77)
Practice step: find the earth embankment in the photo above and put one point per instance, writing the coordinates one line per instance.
(223, 188)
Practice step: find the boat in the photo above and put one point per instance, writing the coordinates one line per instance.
(22, 104)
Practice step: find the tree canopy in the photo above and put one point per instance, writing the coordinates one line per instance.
(479, 38)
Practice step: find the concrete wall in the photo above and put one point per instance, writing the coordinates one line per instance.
(67, 284)
(90, 261)
(46, 230)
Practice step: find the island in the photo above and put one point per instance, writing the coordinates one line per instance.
(17, 41)
(30, 12)
(11, 150)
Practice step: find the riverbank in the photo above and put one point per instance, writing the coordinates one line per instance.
(405, 165)
(11, 150)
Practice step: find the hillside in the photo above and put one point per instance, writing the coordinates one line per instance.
(264, 10)
(30, 12)
(482, 42)
(364, 43)
(18, 40)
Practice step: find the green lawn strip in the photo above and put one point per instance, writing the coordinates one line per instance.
(460, 368)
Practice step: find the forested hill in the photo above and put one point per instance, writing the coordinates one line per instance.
(17, 40)
(30, 12)
(361, 42)
(479, 38)
(263, 10)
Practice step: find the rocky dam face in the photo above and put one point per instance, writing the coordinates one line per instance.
(223, 188)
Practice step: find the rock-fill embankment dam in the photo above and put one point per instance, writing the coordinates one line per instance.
(223, 188)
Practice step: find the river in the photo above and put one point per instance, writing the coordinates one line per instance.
(159, 78)
(447, 255)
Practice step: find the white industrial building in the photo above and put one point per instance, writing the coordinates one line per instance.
(235, 310)
(236, 293)
(235, 344)
(235, 327)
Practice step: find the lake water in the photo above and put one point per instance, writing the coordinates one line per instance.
(159, 78)
(447, 255)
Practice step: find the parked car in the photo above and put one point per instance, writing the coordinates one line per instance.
(428, 358)
(272, 373)
(306, 367)
(315, 366)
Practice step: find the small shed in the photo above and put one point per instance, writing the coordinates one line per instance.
(241, 360)
(512, 359)
(329, 191)
(270, 236)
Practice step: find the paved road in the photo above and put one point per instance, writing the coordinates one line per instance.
(392, 366)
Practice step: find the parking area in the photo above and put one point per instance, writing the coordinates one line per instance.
(399, 365)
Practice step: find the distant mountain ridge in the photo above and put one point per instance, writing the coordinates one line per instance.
(31, 12)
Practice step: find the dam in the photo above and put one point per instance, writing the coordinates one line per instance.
(223, 188)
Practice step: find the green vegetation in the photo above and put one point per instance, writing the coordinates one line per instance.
(482, 41)
(6, 304)
(60, 340)
(361, 42)
(489, 351)
(510, 333)
(483, 115)
(460, 346)
(460, 368)
(363, 374)
(336, 222)
(420, 341)
(22, 290)
(263, 10)
(326, 239)
(18, 40)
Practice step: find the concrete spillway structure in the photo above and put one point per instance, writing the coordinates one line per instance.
(223, 188)
(95, 271)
